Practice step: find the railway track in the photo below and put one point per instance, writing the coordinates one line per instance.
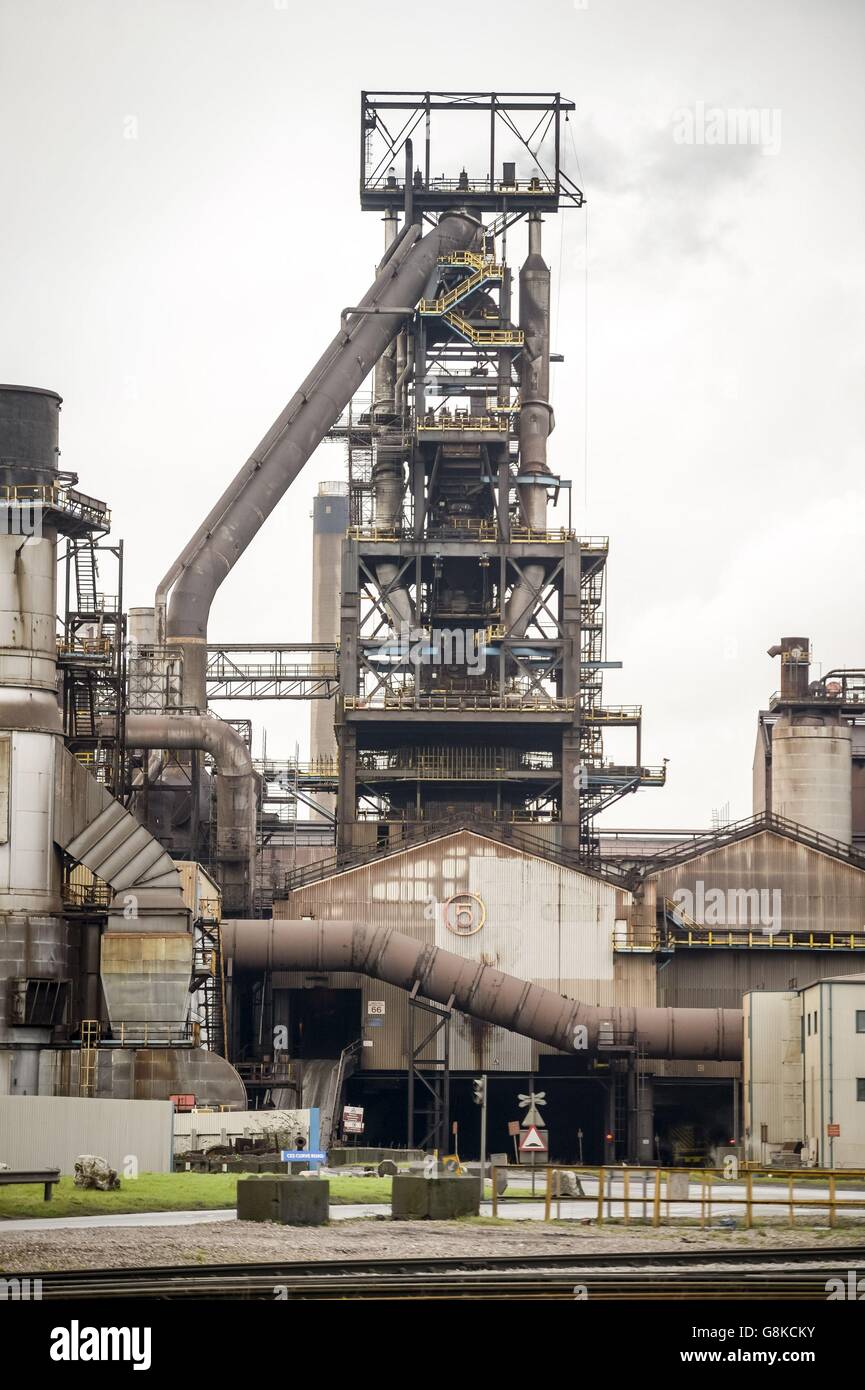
(795, 1275)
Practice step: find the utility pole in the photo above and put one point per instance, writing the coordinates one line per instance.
(480, 1098)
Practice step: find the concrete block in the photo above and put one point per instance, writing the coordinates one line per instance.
(417, 1198)
(453, 1197)
(303, 1203)
(256, 1199)
(285, 1200)
(409, 1199)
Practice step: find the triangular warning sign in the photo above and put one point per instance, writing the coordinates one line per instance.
(532, 1141)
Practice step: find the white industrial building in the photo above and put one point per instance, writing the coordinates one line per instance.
(804, 1074)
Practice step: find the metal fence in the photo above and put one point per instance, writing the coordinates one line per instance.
(655, 1196)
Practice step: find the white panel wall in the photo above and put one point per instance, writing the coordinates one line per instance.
(51, 1132)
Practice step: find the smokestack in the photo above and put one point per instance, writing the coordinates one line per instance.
(795, 654)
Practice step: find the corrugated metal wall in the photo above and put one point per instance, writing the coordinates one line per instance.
(544, 923)
(719, 979)
(51, 1132)
(772, 1071)
(817, 892)
(834, 1060)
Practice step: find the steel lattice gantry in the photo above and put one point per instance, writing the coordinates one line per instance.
(271, 671)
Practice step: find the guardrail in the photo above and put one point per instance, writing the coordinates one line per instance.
(653, 1195)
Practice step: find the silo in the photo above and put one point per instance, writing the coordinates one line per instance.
(812, 772)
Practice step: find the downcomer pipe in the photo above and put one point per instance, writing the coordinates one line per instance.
(282, 453)
(480, 990)
(536, 417)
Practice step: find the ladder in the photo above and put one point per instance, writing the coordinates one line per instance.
(87, 1057)
(84, 557)
(208, 978)
(83, 710)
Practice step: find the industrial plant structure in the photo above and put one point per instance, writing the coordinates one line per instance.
(430, 896)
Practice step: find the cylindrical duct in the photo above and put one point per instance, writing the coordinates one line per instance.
(280, 456)
(481, 991)
(330, 518)
(384, 380)
(536, 417)
(236, 787)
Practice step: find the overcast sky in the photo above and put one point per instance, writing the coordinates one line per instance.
(180, 229)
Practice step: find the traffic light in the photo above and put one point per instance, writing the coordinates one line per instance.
(479, 1090)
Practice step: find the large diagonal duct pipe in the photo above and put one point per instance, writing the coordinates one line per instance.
(282, 453)
(236, 788)
(536, 417)
(480, 990)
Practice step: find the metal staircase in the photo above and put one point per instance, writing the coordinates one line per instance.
(208, 981)
(92, 657)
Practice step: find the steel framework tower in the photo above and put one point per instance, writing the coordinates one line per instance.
(471, 638)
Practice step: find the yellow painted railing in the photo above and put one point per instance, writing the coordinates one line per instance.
(484, 337)
(485, 272)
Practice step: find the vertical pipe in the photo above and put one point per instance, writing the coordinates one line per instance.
(536, 417)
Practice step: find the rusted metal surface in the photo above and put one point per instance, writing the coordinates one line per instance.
(479, 990)
(816, 892)
(542, 921)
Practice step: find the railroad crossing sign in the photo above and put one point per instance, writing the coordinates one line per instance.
(533, 1142)
(530, 1104)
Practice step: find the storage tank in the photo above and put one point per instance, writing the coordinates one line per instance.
(34, 963)
(812, 772)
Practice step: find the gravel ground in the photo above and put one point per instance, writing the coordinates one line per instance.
(241, 1242)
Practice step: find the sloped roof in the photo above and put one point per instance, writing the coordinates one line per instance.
(737, 831)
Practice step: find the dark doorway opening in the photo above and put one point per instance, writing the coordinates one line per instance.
(321, 1021)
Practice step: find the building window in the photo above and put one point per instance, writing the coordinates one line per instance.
(808, 1016)
(860, 1020)
(860, 1087)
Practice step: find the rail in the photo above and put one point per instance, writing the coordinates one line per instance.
(654, 1194)
(65, 501)
(481, 275)
(462, 422)
(484, 337)
(505, 833)
(612, 714)
(638, 939)
(449, 700)
(743, 829)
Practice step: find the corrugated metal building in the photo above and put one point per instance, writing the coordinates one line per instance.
(532, 918)
(772, 1074)
(833, 1048)
(805, 890)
